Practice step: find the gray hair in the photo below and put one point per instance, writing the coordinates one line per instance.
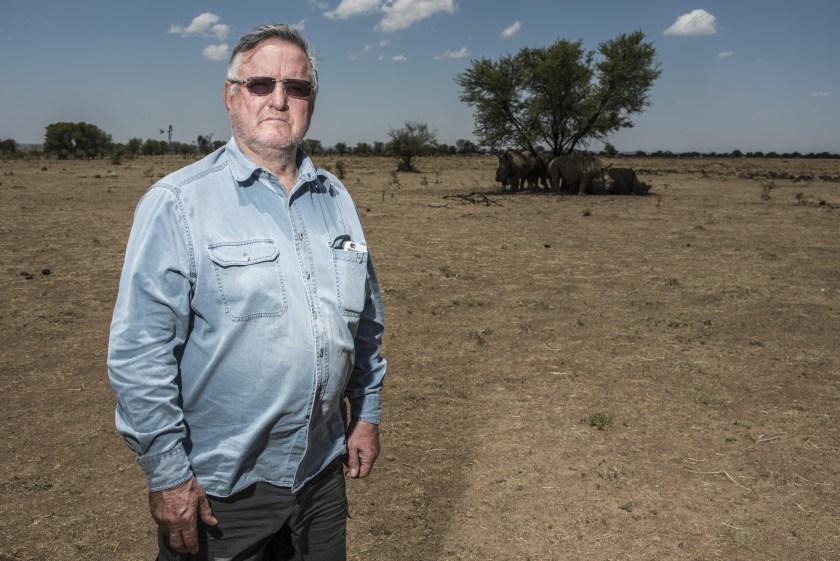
(281, 31)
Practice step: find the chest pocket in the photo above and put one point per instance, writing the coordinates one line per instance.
(249, 279)
(351, 280)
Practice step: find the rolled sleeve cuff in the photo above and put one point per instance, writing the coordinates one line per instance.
(366, 408)
(167, 470)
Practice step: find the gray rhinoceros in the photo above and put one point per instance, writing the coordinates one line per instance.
(581, 171)
(517, 168)
(625, 182)
(514, 169)
(540, 172)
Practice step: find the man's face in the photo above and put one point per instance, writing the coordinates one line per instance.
(274, 121)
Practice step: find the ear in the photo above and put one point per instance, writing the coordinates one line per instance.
(226, 96)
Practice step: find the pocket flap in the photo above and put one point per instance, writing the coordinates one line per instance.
(235, 254)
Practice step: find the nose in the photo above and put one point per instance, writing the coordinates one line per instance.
(279, 99)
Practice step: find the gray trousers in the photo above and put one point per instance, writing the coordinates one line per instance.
(268, 523)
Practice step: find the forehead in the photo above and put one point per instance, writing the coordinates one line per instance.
(275, 56)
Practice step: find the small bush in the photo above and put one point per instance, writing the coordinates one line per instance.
(116, 157)
(765, 190)
(339, 169)
(600, 420)
(448, 273)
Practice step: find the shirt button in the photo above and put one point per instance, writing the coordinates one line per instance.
(307, 275)
(321, 353)
(300, 236)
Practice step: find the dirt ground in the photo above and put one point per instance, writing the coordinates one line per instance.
(697, 328)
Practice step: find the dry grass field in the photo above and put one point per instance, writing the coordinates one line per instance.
(571, 378)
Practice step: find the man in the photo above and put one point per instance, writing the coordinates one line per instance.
(248, 311)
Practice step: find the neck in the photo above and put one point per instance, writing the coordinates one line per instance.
(282, 162)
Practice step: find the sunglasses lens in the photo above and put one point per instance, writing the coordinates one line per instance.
(292, 87)
(260, 86)
(297, 88)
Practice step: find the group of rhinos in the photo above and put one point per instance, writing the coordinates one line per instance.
(573, 173)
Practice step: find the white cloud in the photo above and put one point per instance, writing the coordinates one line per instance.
(351, 8)
(399, 58)
(206, 24)
(315, 5)
(696, 22)
(512, 30)
(216, 52)
(820, 94)
(725, 54)
(397, 14)
(368, 49)
(400, 14)
(301, 25)
(464, 52)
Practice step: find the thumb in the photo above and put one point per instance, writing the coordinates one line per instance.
(353, 463)
(206, 512)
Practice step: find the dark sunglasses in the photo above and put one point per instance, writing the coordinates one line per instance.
(264, 85)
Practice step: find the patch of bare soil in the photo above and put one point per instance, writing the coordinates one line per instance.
(571, 377)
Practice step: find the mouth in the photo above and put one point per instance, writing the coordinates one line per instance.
(275, 121)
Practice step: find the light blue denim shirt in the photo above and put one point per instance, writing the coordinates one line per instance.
(244, 319)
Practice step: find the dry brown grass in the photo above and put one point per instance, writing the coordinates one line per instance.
(702, 319)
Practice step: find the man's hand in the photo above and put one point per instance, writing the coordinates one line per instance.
(362, 448)
(176, 512)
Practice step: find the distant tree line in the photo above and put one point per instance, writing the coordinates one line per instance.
(66, 140)
(82, 140)
(733, 154)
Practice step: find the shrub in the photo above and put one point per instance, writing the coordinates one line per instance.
(600, 420)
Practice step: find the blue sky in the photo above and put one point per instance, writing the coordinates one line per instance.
(753, 75)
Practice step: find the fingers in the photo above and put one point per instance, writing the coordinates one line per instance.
(365, 465)
(183, 542)
(177, 511)
(362, 448)
(189, 536)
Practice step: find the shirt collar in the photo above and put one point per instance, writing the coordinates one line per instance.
(244, 167)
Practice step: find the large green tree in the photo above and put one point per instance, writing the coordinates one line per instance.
(562, 96)
(79, 140)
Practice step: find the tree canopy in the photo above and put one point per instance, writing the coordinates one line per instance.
(81, 140)
(414, 139)
(561, 96)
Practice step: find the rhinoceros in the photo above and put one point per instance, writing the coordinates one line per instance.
(540, 171)
(625, 182)
(517, 168)
(514, 169)
(581, 170)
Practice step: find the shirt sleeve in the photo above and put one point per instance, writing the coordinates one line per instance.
(365, 384)
(149, 325)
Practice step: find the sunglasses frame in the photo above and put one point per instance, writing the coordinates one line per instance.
(249, 83)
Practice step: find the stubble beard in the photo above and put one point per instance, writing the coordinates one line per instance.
(260, 145)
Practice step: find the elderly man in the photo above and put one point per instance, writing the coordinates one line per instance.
(248, 317)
